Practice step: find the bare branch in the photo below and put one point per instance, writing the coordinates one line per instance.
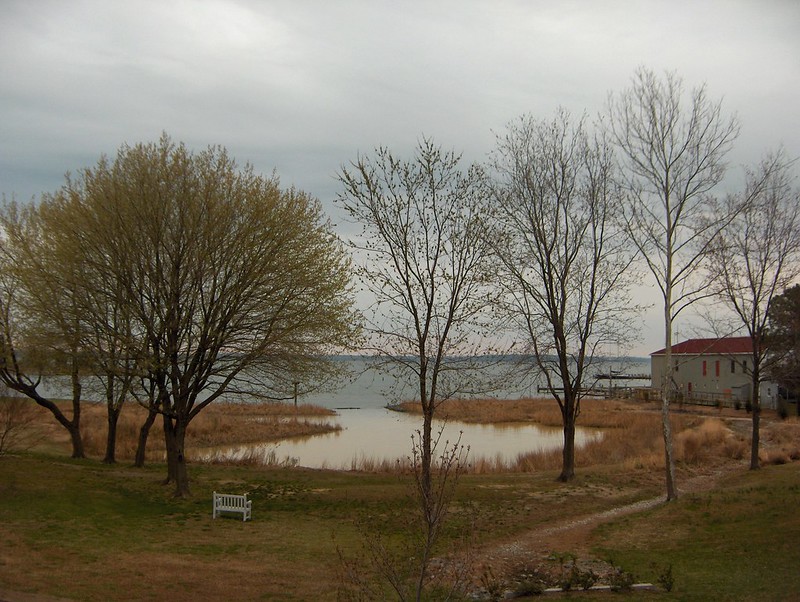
(672, 149)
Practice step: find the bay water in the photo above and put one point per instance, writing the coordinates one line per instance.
(370, 433)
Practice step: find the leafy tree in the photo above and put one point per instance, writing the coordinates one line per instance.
(756, 257)
(103, 331)
(220, 282)
(564, 263)
(40, 324)
(425, 248)
(673, 152)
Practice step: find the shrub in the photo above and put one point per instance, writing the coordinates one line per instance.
(492, 585)
(17, 416)
(586, 579)
(666, 580)
(620, 581)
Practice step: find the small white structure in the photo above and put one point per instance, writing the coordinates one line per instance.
(228, 502)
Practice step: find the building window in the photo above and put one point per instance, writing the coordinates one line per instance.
(744, 366)
(733, 367)
(676, 365)
(716, 368)
(704, 368)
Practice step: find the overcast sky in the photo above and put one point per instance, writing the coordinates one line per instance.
(302, 87)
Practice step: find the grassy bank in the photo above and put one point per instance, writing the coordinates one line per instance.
(737, 542)
(85, 531)
(82, 530)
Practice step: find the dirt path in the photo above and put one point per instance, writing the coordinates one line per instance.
(530, 551)
(9, 596)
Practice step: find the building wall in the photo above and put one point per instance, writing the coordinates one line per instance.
(713, 375)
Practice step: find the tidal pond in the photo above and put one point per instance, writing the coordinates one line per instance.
(372, 436)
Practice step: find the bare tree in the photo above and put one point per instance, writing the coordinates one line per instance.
(564, 263)
(673, 150)
(400, 568)
(425, 245)
(754, 260)
(223, 282)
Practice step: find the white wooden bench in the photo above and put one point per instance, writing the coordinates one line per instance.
(229, 502)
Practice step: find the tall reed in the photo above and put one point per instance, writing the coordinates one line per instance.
(219, 424)
(631, 433)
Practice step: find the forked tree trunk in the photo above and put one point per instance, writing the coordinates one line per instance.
(174, 439)
(144, 432)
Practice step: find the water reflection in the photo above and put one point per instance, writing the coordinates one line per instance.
(379, 435)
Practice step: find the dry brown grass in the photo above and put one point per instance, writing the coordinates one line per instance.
(219, 424)
(631, 439)
(710, 439)
(632, 433)
(780, 442)
(595, 413)
(493, 411)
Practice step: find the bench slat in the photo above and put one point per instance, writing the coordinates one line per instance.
(229, 502)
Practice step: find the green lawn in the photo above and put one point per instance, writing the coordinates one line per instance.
(85, 531)
(740, 541)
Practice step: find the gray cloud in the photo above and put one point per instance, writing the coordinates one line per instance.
(303, 86)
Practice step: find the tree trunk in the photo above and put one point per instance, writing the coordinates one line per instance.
(76, 439)
(669, 457)
(425, 492)
(425, 478)
(112, 417)
(754, 461)
(73, 426)
(666, 391)
(144, 432)
(568, 452)
(756, 414)
(174, 439)
(568, 419)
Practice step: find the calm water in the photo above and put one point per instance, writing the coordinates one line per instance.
(368, 387)
(371, 432)
(377, 434)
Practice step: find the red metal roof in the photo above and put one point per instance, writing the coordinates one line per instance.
(723, 346)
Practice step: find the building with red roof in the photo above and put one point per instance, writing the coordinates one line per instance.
(713, 370)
